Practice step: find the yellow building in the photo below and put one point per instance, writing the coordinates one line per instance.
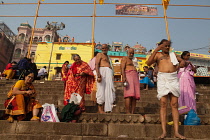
(61, 52)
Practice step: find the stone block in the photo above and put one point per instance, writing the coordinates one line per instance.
(67, 129)
(40, 128)
(22, 137)
(13, 137)
(155, 130)
(196, 132)
(94, 129)
(64, 137)
(7, 128)
(134, 130)
(94, 138)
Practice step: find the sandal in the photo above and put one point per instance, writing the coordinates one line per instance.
(34, 118)
(10, 119)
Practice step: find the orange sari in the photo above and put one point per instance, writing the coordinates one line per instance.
(79, 84)
(21, 104)
(64, 72)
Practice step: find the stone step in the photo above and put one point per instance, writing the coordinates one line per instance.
(121, 109)
(69, 137)
(111, 130)
(122, 118)
(132, 118)
(153, 97)
(60, 83)
(119, 93)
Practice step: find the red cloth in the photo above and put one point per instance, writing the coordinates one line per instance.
(79, 84)
(9, 66)
(74, 68)
(133, 88)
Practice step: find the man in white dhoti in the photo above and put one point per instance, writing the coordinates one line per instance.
(105, 88)
(167, 83)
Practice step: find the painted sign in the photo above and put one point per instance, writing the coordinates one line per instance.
(67, 48)
(133, 9)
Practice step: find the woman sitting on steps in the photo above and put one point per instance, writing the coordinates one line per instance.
(21, 100)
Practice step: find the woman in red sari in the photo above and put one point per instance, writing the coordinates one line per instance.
(64, 72)
(80, 80)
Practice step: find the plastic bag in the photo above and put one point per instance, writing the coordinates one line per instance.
(192, 118)
(76, 98)
(49, 113)
(183, 110)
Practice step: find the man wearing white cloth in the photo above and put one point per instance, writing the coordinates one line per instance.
(105, 88)
(167, 83)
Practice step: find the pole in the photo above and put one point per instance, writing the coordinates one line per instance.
(93, 28)
(48, 72)
(33, 29)
(166, 20)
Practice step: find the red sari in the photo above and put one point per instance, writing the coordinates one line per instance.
(79, 84)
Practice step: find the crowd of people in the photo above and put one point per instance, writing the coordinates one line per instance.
(173, 74)
(16, 70)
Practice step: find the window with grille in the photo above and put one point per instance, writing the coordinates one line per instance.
(58, 56)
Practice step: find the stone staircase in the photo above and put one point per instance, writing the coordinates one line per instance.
(144, 125)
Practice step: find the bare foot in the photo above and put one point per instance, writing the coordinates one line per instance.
(74, 121)
(163, 136)
(101, 112)
(145, 89)
(177, 135)
(100, 109)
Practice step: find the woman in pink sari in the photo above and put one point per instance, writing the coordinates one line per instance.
(186, 82)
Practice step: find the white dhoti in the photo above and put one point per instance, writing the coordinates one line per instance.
(167, 83)
(105, 89)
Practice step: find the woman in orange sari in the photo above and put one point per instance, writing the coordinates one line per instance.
(9, 72)
(21, 100)
(64, 72)
(80, 80)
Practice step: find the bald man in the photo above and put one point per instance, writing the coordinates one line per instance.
(130, 76)
(105, 87)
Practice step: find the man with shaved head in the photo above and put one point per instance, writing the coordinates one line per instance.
(105, 88)
(130, 77)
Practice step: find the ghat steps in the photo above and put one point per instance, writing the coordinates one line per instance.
(144, 125)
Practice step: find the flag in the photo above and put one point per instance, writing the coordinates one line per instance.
(166, 2)
(101, 2)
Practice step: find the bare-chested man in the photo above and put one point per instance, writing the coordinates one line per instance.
(167, 83)
(105, 88)
(130, 75)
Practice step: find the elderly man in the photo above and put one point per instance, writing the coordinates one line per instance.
(105, 88)
(80, 80)
(167, 83)
(130, 76)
